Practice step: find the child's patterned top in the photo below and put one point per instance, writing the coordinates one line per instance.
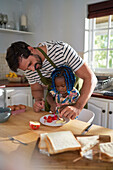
(69, 99)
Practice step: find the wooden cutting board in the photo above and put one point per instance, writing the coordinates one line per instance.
(63, 161)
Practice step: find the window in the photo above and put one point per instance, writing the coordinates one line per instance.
(99, 41)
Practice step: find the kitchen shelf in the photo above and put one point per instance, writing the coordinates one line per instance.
(15, 31)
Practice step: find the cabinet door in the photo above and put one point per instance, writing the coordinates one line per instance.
(102, 116)
(98, 111)
(110, 115)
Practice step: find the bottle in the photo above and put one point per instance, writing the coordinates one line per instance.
(23, 23)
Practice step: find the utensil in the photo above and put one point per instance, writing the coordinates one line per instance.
(13, 139)
(5, 114)
(86, 129)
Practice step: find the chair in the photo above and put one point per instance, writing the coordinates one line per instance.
(86, 116)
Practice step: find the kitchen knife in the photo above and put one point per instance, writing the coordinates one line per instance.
(86, 129)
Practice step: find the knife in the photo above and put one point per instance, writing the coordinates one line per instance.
(86, 129)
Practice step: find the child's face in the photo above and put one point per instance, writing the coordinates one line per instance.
(60, 85)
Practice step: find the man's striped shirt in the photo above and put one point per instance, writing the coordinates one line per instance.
(61, 54)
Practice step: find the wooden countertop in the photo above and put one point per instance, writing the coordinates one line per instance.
(6, 83)
(18, 127)
(101, 96)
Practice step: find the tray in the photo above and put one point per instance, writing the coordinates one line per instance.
(18, 111)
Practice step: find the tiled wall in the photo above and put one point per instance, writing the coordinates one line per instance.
(4, 69)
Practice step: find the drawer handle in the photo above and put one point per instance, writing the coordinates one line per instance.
(103, 111)
(110, 112)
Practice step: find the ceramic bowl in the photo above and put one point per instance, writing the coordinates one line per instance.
(5, 114)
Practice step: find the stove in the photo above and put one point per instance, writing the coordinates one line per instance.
(103, 82)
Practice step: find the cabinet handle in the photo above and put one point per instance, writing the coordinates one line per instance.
(103, 111)
(8, 97)
(110, 112)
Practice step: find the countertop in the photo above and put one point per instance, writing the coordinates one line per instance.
(18, 127)
(98, 95)
(6, 83)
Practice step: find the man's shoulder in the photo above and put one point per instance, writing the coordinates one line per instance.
(52, 42)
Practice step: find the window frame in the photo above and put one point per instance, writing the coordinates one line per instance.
(90, 40)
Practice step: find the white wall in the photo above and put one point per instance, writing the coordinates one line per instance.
(59, 20)
(49, 19)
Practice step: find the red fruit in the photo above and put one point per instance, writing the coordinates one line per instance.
(45, 117)
(55, 118)
(49, 117)
(49, 120)
(34, 125)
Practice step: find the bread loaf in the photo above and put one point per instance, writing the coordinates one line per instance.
(57, 142)
(63, 141)
(106, 151)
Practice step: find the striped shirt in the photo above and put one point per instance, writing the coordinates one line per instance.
(61, 54)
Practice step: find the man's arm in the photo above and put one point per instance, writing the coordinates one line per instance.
(38, 94)
(89, 83)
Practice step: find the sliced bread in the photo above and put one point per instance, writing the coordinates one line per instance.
(62, 141)
(106, 151)
(87, 143)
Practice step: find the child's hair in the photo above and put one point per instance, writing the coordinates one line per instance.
(67, 73)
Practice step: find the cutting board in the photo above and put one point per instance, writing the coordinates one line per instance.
(63, 161)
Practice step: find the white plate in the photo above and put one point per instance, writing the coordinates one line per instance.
(53, 123)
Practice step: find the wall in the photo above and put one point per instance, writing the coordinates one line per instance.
(49, 19)
(59, 20)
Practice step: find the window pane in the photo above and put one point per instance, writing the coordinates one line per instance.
(101, 39)
(100, 59)
(111, 59)
(86, 41)
(112, 21)
(86, 23)
(111, 39)
(101, 22)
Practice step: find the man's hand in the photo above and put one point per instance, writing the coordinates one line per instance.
(69, 111)
(38, 105)
(53, 107)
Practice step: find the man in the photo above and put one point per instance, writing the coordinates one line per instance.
(23, 56)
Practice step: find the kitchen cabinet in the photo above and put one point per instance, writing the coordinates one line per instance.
(104, 114)
(19, 95)
(110, 115)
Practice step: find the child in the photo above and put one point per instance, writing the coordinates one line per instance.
(63, 91)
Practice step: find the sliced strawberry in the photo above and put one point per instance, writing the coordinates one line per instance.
(45, 117)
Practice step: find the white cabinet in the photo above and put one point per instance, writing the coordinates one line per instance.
(19, 95)
(103, 109)
(110, 115)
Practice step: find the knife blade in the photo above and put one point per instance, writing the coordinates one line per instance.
(86, 129)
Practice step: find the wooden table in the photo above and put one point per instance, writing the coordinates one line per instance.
(18, 127)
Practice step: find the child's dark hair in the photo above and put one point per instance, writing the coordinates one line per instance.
(67, 73)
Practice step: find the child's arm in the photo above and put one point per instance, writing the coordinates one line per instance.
(51, 102)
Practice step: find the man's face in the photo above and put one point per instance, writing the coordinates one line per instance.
(33, 62)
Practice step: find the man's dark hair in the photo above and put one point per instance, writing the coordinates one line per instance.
(16, 50)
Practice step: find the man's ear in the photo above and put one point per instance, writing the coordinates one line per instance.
(30, 48)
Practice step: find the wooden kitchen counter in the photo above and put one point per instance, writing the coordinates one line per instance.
(6, 83)
(18, 127)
